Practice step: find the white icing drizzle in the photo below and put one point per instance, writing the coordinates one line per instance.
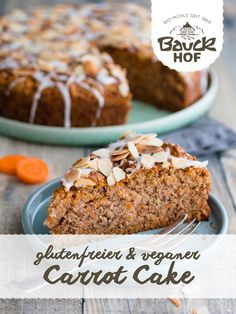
(99, 97)
(189, 79)
(8, 64)
(94, 91)
(44, 82)
(13, 84)
(65, 92)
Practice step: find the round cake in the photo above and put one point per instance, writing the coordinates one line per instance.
(75, 65)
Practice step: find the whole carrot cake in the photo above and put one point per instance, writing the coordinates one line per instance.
(135, 184)
(66, 65)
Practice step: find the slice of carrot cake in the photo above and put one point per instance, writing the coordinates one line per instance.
(135, 184)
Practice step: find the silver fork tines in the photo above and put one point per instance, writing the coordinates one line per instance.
(176, 229)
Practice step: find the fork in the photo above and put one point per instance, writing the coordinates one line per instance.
(178, 228)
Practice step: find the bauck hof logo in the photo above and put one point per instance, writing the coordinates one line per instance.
(187, 36)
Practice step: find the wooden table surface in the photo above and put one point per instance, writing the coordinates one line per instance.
(13, 194)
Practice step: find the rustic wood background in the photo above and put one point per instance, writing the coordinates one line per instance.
(13, 194)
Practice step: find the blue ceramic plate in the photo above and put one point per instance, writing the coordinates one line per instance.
(143, 118)
(35, 212)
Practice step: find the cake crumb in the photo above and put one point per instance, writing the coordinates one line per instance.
(175, 301)
(201, 310)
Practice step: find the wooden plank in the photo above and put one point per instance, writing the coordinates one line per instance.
(94, 306)
(154, 306)
(29, 306)
(228, 161)
(221, 189)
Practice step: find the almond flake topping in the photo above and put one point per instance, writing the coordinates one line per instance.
(118, 152)
(182, 163)
(90, 68)
(160, 156)
(111, 179)
(150, 136)
(118, 173)
(103, 152)
(124, 89)
(147, 161)
(147, 149)
(123, 158)
(165, 164)
(81, 182)
(93, 164)
(152, 142)
(105, 166)
(81, 162)
(137, 139)
(72, 175)
(133, 150)
(126, 134)
(120, 157)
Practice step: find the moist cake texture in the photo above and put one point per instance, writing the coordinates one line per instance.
(135, 184)
(66, 66)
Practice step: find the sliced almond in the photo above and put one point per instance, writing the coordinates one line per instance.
(174, 301)
(102, 152)
(90, 68)
(204, 163)
(147, 161)
(120, 157)
(72, 175)
(81, 162)
(150, 136)
(118, 173)
(133, 150)
(179, 163)
(105, 166)
(125, 134)
(136, 139)
(79, 70)
(160, 156)
(23, 72)
(111, 179)
(93, 164)
(153, 142)
(119, 152)
(124, 89)
(182, 163)
(147, 149)
(81, 182)
(165, 164)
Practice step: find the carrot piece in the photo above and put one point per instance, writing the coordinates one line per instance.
(8, 164)
(32, 171)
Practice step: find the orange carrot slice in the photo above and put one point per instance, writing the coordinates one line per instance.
(8, 164)
(32, 171)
